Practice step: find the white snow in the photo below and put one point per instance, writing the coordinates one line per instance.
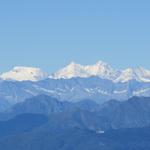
(24, 74)
(96, 90)
(104, 71)
(120, 91)
(100, 69)
(141, 92)
(138, 74)
(30, 92)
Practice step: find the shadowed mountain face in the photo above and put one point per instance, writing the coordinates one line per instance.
(22, 123)
(4, 104)
(44, 104)
(41, 104)
(134, 112)
(88, 105)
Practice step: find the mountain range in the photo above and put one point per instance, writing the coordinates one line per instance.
(72, 90)
(113, 114)
(100, 69)
(99, 82)
(78, 107)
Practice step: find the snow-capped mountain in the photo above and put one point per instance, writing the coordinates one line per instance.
(100, 69)
(104, 71)
(73, 70)
(138, 74)
(24, 73)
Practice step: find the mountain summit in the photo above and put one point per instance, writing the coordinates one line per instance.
(139, 74)
(20, 73)
(100, 69)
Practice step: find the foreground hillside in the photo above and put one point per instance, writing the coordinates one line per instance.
(44, 122)
(40, 135)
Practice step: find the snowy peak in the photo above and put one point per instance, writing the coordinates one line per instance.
(20, 73)
(139, 74)
(72, 70)
(100, 69)
(143, 74)
(127, 75)
(104, 71)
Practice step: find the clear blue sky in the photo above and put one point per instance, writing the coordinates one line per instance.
(51, 33)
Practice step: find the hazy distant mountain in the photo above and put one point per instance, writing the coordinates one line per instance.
(134, 112)
(41, 104)
(44, 104)
(88, 105)
(131, 113)
(73, 90)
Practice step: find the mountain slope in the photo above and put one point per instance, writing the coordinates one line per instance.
(21, 123)
(76, 128)
(46, 138)
(131, 113)
(41, 104)
(134, 112)
(138, 74)
(44, 104)
(73, 90)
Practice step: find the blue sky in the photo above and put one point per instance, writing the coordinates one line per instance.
(51, 33)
